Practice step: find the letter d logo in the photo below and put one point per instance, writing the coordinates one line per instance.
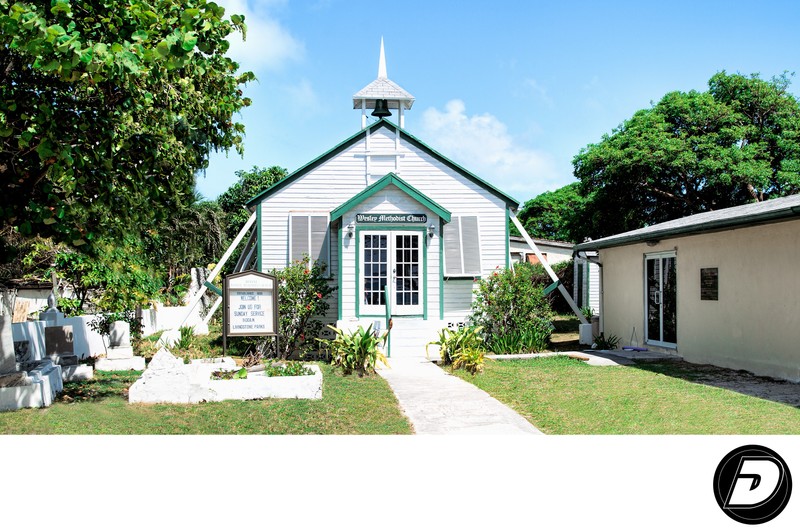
(752, 484)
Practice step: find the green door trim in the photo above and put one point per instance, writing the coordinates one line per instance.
(357, 258)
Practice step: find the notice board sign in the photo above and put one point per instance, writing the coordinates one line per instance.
(709, 284)
(251, 304)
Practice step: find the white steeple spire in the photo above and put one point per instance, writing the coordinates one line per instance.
(382, 64)
(382, 89)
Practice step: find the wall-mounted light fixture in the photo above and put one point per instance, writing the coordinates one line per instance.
(652, 243)
(351, 229)
(431, 230)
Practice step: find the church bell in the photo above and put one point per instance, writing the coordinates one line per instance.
(381, 109)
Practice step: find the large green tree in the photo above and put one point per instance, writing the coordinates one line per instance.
(233, 202)
(552, 215)
(108, 108)
(692, 152)
(249, 183)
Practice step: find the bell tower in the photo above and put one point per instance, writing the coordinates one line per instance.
(382, 95)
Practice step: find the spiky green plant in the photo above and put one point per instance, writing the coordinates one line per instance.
(452, 342)
(470, 359)
(356, 351)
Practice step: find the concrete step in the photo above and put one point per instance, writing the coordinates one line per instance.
(409, 336)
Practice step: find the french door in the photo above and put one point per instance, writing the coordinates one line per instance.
(393, 259)
(661, 319)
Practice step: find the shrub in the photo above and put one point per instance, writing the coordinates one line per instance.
(452, 342)
(186, 339)
(303, 292)
(356, 351)
(101, 324)
(70, 307)
(509, 305)
(229, 374)
(565, 273)
(470, 359)
(603, 343)
(293, 368)
(530, 341)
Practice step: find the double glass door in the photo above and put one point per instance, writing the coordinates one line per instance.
(393, 259)
(661, 320)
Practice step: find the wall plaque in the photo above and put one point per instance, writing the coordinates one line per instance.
(709, 284)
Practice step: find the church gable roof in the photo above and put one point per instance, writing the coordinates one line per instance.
(382, 123)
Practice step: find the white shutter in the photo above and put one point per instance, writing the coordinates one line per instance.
(308, 235)
(319, 245)
(298, 236)
(452, 247)
(462, 249)
(470, 245)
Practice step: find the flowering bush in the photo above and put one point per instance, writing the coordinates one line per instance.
(508, 304)
(303, 292)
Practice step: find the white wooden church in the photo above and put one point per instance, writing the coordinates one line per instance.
(405, 231)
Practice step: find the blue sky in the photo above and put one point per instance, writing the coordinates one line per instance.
(510, 90)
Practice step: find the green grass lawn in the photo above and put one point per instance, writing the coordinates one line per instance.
(559, 395)
(349, 405)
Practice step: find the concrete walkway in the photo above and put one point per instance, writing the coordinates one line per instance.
(439, 403)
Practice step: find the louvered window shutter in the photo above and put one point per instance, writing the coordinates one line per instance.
(470, 244)
(319, 244)
(298, 225)
(452, 247)
(462, 250)
(309, 236)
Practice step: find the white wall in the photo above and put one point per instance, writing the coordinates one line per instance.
(86, 342)
(338, 179)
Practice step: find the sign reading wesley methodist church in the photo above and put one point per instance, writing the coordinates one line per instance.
(392, 218)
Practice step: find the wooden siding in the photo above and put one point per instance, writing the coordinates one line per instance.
(341, 177)
(458, 298)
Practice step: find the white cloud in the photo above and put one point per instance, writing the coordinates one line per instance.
(482, 144)
(269, 45)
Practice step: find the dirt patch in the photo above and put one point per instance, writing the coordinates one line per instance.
(742, 382)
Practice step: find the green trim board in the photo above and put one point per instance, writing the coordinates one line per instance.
(508, 200)
(340, 245)
(390, 179)
(213, 288)
(258, 229)
(389, 228)
(508, 239)
(441, 271)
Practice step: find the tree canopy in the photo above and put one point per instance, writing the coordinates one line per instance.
(250, 183)
(107, 111)
(552, 215)
(692, 152)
